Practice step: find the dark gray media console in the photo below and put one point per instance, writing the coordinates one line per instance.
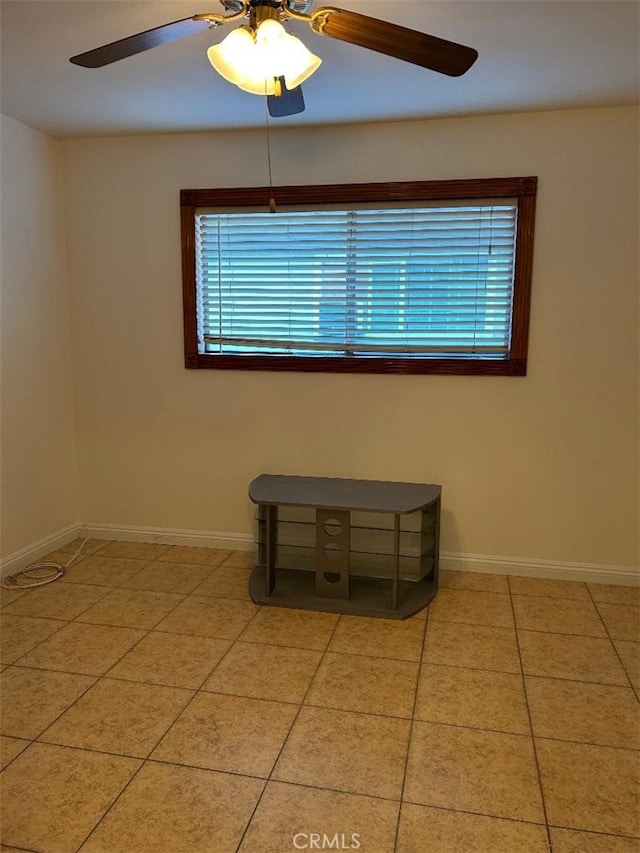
(364, 547)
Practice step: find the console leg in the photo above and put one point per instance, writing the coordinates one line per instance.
(271, 532)
(396, 560)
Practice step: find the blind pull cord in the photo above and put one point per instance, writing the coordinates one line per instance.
(272, 201)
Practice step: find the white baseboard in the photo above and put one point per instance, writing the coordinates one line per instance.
(535, 568)
(524, 567)
(26, 556)
(170, 536)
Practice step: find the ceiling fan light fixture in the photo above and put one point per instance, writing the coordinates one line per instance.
(232, 54)
(254, 62)
(285, 55)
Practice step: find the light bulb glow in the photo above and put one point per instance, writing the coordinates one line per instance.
(253, 62)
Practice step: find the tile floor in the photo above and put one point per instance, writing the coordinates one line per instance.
(149, 705)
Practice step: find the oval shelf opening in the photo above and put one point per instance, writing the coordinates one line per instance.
(332, 577)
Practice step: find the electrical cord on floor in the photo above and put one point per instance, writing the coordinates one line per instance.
(39, 574)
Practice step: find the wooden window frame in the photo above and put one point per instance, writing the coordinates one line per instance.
(515, 364)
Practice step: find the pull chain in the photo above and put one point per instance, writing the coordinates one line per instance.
(272, 201)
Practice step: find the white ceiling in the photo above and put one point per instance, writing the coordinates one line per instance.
(534, 55)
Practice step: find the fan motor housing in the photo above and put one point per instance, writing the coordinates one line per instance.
(299, 5)
(233, 6)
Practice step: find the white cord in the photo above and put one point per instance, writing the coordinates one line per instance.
(33, 575)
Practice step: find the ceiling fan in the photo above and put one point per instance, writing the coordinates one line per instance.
(263, 58)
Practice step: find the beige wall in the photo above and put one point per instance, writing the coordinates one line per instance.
(543, 467)
(38, 486)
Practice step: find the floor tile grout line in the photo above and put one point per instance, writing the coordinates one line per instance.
(144, 760)
(217, 664)
(232, 644)
(173, 763)
(23, 665)
(374, 657)
(116, 799)
(356, 711)
(630, 604)
(86, 690)
(97, 681)
(231, 641)
(158, 560)
(75, 550)
(154, 629)
(563, 634)
(97, 678)
(92, 749)
(516, 628)
(17, 755)
(82, 612)
(411, 726)
(191, 700)
(291, 727)
(332, 651)
(579, 599)
(527, 674)
(629, 749)
(516, 734)
(615, 649)
(209, 600)
(490, 592)
(72, 672)
(368, 713)
(184, 595)
(585, 584)
(122, 585)
(323, 654)
(577, 680)
(268, 780)
(25, 849)
(492, 815)
(595, 832)
(195, 692)
(147, 563)
(212, 569)
(238, 639)
(126, 755)
(96, 752)
(127, 627)
(21, 593)
(533, 739)
(76, 619)
(33, 648)
(116, 589)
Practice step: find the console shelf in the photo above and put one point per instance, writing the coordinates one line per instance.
(328, 544)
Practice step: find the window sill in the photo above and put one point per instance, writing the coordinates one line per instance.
(320, 364)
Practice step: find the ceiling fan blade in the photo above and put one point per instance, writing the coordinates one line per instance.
(289, 103)
(138, 43)
(437, 54)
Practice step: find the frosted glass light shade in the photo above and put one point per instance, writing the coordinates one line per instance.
(254, 63)
(233, 54)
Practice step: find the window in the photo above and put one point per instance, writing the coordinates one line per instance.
(424, 277)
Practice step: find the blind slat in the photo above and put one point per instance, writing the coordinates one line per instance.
(407, 281)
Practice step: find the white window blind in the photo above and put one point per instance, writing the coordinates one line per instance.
(423, 282)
